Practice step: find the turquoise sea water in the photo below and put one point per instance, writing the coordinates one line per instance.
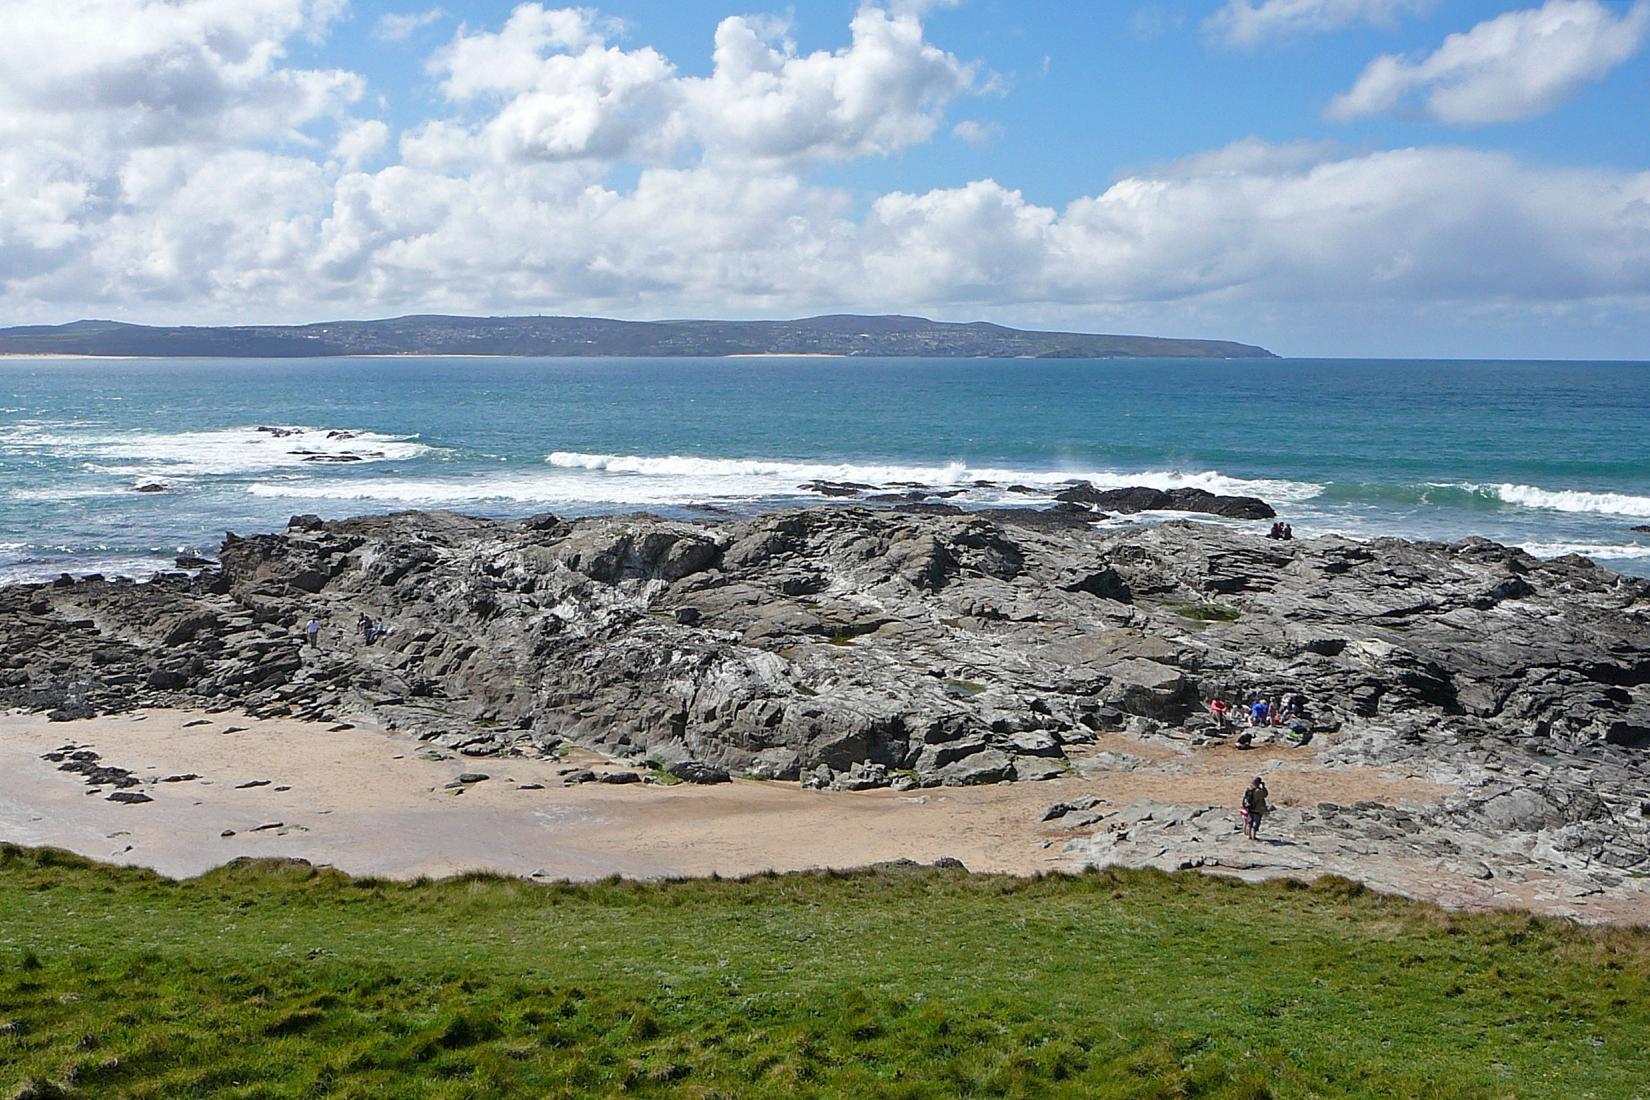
(1554, 457)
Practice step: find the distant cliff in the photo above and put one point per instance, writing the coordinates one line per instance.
(436, 335)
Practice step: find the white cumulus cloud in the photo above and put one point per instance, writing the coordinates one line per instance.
(361, 142)
(162, 71)
(561, 91)
(1514, 66)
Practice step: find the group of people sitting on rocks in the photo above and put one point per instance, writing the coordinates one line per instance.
(1281, 530)
(1259, 712)
(371, 631)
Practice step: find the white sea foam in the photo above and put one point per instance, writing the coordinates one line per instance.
(515, 489)
(83, 492)
(639, 480)
(1603, 550)
(762, 476)
(138, 568)
(223, 451)
(1612, 504)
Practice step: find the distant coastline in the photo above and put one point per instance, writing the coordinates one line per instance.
(837, 336)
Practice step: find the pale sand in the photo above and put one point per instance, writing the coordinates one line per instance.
(369, 802)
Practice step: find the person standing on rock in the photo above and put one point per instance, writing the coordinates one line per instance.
(312, 632)
(1254, 808)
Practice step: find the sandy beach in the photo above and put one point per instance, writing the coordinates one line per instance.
(370, 802)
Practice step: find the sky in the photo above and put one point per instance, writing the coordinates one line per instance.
(1452, 178)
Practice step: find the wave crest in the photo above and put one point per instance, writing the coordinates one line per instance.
(783, 475)
(1486, 497)
(1573, 500)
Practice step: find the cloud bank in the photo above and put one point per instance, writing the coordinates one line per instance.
(176, 164)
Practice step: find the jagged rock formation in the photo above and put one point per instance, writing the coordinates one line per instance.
(854, 648)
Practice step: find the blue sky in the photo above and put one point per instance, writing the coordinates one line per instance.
(1344, 177)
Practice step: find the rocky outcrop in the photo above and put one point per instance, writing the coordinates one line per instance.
(851, 648)
(1079, 501)
(1140, 498)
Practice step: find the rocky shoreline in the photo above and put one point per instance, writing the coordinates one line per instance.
(847, 648)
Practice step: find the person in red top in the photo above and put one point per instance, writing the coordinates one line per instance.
(1219, 709)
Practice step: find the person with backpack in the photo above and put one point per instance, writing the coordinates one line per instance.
(1255, 808)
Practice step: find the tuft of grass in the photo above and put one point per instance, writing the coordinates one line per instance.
(278, 979)
(656, 768)
(1208, 612)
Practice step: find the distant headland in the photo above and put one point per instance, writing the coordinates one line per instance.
(839, 334)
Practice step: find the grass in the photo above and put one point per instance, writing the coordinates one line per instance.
(1208, 612)
(278, 980)
(656, 768)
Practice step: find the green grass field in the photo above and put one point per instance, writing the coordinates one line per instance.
(278, 980)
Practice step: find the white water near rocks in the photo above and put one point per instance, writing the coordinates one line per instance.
(119, 467)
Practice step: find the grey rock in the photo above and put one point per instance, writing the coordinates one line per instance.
(863, 776)
(1034, 768)
(1061, 809)
(694, 771)
(986, 766)
(1143, 499)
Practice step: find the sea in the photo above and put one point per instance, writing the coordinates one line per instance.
(121, 466)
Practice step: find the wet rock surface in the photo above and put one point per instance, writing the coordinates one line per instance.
(852, 649)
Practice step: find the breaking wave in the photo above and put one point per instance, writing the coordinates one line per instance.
(779, 476)
(1563, 500)
(219, 451)
(1486, 497)
(1631, 551)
